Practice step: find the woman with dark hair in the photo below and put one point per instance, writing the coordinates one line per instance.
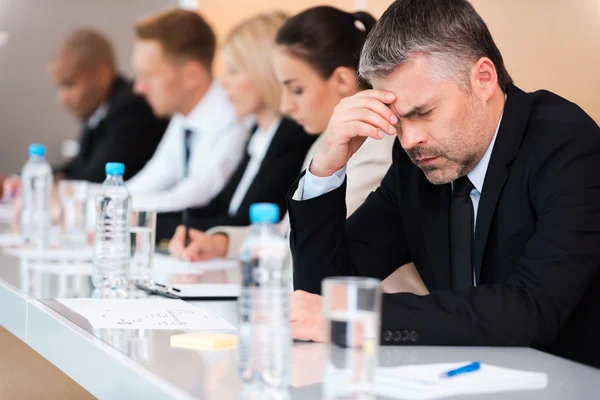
(316, 62)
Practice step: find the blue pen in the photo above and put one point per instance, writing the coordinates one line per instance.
(474, 366)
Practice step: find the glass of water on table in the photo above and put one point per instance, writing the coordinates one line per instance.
(352, 311)
(143, 231)
(73, 197)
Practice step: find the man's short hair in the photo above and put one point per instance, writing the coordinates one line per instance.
(181, 33)
(90, 48)
(449, 32)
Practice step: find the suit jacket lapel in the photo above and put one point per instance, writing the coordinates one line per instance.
(510, 135)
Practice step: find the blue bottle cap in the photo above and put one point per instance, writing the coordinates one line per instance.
(264, 212)
(37, 150)
(115, 168)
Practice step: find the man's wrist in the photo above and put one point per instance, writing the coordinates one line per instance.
(319, 171)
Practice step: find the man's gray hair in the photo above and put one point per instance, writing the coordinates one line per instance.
(449, 32)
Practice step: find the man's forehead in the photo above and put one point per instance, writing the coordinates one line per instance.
(149, 48)
(63, 68)
(411, 85)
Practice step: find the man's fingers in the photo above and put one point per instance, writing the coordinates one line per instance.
(382, 95)
(196, 234)
(371, 118)
(376, 106)
(194, 249)
(203, 255)
(358, 128)
(193, 257)
(305, 331)
(299, 330)
(298, 305)
(179, 232)
(176, 244)
(199, 247)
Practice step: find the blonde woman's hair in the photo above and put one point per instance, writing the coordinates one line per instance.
(249, 45)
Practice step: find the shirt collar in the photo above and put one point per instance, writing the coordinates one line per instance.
(477, 175)
(261, 139)
(98, 115)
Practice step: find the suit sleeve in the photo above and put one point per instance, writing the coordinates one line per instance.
(371, 243)
(558, 265)
(132, 137)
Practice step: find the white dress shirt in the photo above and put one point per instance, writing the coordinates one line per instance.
(257, 148)
(217, 146)
(477, 176)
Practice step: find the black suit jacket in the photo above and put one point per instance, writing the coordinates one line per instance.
(536, 249)
(277, 172)
(128, 133)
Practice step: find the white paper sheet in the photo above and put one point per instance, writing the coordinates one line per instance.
(164, 262)
(426, 381)
(146, 314)
(77, 254)
(207, 290)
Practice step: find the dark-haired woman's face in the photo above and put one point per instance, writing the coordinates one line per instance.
(305, 95)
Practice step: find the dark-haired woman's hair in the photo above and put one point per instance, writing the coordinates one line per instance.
(327, 38)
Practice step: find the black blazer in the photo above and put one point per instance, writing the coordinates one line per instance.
(536, 249)
(128, 133)
(277, 172)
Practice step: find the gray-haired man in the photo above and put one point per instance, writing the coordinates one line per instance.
(493, 194)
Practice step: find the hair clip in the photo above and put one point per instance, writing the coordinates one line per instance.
(359, 25)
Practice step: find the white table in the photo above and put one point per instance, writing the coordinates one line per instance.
(134, 364)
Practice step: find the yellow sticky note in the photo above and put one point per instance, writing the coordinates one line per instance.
(204, 341)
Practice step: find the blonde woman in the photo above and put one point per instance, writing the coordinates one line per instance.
(277, 146)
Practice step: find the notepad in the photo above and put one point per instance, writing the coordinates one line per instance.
(200, 291)
(171, 264)
(146, 314)
(204, 341)
(426, 382)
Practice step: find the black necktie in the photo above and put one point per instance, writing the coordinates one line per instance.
(187, 151)
(461, 234)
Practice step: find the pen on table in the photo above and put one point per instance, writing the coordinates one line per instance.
(159, 289)
(474, 366)
(167, 288)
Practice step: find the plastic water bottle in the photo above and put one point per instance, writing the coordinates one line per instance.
(112, 250)
(265, 339)
(36, 220)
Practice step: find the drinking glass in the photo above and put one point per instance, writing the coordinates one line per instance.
(143, 232)
(352, 311)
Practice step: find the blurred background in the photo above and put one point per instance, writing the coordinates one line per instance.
(550, 44)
